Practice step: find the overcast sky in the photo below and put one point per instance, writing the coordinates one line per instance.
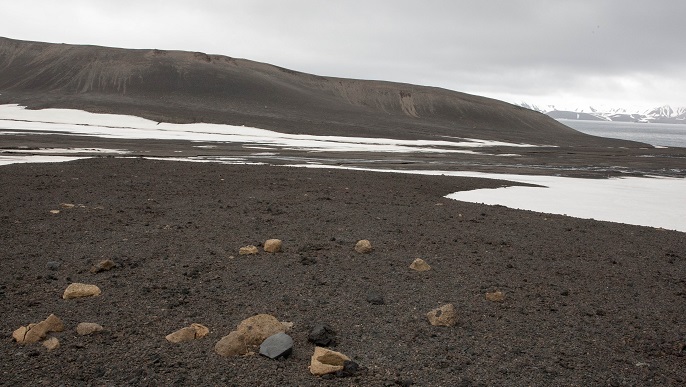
(626, 53)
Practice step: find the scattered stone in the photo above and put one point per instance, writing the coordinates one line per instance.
(76, 290)
(232, 344)
(409, 382)
(51, 343)
(104, 265)
(54, 212)
(272, 245)
(86, 328)
(363, 246)
(189, 333)
(250, 333)
(67, 205)
(53, 265)
(419, 265)
(496, 296)
(33, 333)
(350, 368)
(248, 250)
(276, 346)
(322, 335)
(375, 298)
(257, 328)
(325, 361)
(445, 316)
(287, 325)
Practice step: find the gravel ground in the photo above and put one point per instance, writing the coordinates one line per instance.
(586, 302)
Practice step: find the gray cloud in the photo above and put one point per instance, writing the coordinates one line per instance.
(613, 52)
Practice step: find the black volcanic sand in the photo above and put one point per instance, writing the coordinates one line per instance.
(587, 302)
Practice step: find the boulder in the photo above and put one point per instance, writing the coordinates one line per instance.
(276, 346)
(325, 361)
(232, 344)
(248, 250)
(496, 296)
(189, 333)
(103, 265)
(363, 246)
(419, 265)
(250, 333)
(445, 316)
(86, 328)
(322, 335)
(51, 343)
(272, 245)
(33, 333)
(76, 290)
(257, 328)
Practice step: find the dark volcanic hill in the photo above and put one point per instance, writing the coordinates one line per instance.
(195, 87)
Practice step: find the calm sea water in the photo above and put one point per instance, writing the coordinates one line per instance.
(672, 135)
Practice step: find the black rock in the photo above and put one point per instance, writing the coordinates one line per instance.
(350, 368)
(375, 298)
(308, 260)
(53, 265)
(276, 346)
(322, 335)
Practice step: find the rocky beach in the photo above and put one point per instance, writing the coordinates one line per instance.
(583, 302)
(144, 268)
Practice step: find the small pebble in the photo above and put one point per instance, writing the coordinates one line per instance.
(53, 265)
(375, 298)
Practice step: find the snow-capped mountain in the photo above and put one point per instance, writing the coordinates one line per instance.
(661, 114)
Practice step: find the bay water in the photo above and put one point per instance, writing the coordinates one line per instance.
(669, 135)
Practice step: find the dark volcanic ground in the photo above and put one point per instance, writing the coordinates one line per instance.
(587, 302)
(577, 161)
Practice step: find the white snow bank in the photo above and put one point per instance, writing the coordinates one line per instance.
(119, 126)
(644, 201)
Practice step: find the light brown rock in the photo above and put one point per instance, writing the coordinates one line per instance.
(192, 332)
(232, 344)
(248, 250)
(496, 296)
(51, 343)
(419, 265)
(273, 245)
(86, 328)
(103, 265)
(33, 333)
(54, 212)
(67, 205)
(325, 361)
(257, 328)
(445, 316)
(76, 290)
(250, 333)
(363, 246)
(287, 325)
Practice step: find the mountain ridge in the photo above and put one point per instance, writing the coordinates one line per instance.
(661, 114)
(186, 87)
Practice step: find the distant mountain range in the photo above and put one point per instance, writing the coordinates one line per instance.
(662, 114)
